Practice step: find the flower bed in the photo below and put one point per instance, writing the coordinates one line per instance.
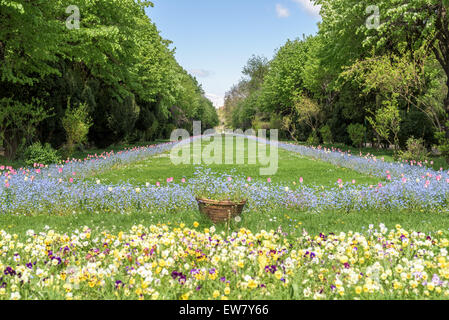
(161, 262)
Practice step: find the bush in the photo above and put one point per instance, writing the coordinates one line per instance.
(76, 123)
(416, 150)
(326, 134)
(357, 134)
(37, 153)
(313, 139)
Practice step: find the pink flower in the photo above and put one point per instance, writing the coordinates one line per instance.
(339, 181)
(60, 170)
(249, 179)
(380, 185)
(71, 180)
(74, 173)
(38, 171)
(269, 180)
(183, 180)
(301, 180)
(353, 181)
(438, 178)
(158, 184)
(404, 180)
(229, 179)
(7, 185)
(389, 177)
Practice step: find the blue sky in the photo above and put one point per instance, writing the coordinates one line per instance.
(214, 39)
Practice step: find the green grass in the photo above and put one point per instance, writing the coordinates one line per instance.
(292, 166)
(290, 221)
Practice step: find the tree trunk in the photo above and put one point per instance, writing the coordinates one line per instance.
(446, 108)
(10, 143)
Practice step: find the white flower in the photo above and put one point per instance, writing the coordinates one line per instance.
(237, 219)
(307, 292)
(15, 296)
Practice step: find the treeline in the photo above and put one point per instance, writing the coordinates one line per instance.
(380, 78)
(112, 74)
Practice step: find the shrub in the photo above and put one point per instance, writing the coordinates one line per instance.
(357, 133)
(443, 143)
(42, 154)
(416, 150)
(326, 134)
(313, 139)
(76, 123)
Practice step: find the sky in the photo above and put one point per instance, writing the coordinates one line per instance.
(214, 39)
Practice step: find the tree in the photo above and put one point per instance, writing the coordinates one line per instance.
(305, 112)
(386, 122)
(76, 123)
(405, 26)
(18, 121)
(356, 132)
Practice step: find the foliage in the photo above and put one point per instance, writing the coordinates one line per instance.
(357, 134)
(352, 66)
(76, 123)
(416, 150)
(386, 122)
(40, 154)
(116, 62)
(313, 139)
(18, 121)
(326, 134)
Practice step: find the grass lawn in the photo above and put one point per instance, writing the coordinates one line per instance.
(292, 167)
(291, 222)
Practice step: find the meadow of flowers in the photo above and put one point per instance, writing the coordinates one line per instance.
(62, 189)
(184, 262)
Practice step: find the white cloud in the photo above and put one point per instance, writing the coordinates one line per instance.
(282, 11)
(309, 7)
(217, 100)
(201, 73)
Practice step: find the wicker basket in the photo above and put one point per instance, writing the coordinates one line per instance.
(220, 211)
